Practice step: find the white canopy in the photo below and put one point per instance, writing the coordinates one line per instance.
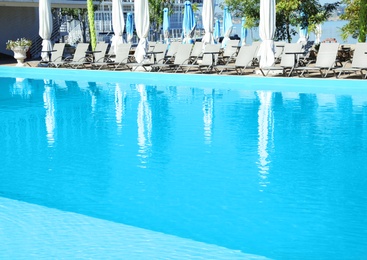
(118, 24)
(266, 31)
(208, 22)
(45, 26)
(141, 8)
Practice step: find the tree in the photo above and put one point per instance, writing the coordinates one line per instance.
(77, 15)
(92, 28)
(356, 14)
(156, 14)
(289, 14)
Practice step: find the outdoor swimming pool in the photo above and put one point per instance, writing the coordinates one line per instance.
(212, 167)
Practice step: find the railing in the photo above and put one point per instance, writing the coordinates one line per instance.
(36, 48)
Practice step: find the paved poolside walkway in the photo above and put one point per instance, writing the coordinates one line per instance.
(10, 61)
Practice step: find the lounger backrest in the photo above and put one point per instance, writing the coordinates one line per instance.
(152, 46)
(360, 55)
(197, 50)
(80, 50)
(183, 54)
(173, 48)
(101, 49)
(326, 55)
(123, 51)
(246, 55)
(257, 44)
(288, 60)
(279, 49)
(208, 56)
(160, 47)
(231, 48)
(58, 49)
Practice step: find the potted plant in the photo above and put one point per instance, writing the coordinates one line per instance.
(20, 48)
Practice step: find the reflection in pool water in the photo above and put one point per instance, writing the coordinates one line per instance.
(278, 174)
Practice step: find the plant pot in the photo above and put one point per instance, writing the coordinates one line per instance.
(20, 54)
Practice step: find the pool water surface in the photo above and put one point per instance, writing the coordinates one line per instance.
(256, 171)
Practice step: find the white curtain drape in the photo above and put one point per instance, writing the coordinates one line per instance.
(45, 26)
(208, 22)
(318, 32)
(266, 31)
(141, 8)
(118, 24)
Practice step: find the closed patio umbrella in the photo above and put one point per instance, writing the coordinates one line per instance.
(118, 24)
(318, 33)
(266, 31)
(227, 26)
(141, 8)
(188, 23)
(45, 27)
(166, 25)
(216, 33)
(243, 31)
(129, 27)
(208, 22)
(303, 32)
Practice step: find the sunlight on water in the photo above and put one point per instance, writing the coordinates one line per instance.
(268, 173)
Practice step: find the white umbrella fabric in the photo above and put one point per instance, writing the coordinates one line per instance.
(208, 22)
(118, 24)
(141, 8)
(318, 33)
(266, 31)
(227, 26)
(45, 27)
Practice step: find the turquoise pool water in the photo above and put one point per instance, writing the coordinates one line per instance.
(234, 165)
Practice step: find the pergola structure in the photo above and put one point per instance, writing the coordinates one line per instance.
(54, 3)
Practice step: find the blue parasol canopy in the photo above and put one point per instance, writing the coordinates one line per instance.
(188, 23)
(129, 27)
(243, 31)
(216, 33)
(166, 24)
(227, 26)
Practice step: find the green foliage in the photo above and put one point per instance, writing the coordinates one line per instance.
(156, 12)
(306, 13)
(352, 13)
(22, 42)
(362, 21)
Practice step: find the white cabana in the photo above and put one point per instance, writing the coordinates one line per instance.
(141, 16)
(208, 22)
(318, 32)
(45, 27)
(266, 31)
(118, 24)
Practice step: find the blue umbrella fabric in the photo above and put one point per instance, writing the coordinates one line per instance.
(166, 24)
(129, 27)
(303, 32)
(216, 33)
(188, 23)
(227, 26)
(243, 31)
